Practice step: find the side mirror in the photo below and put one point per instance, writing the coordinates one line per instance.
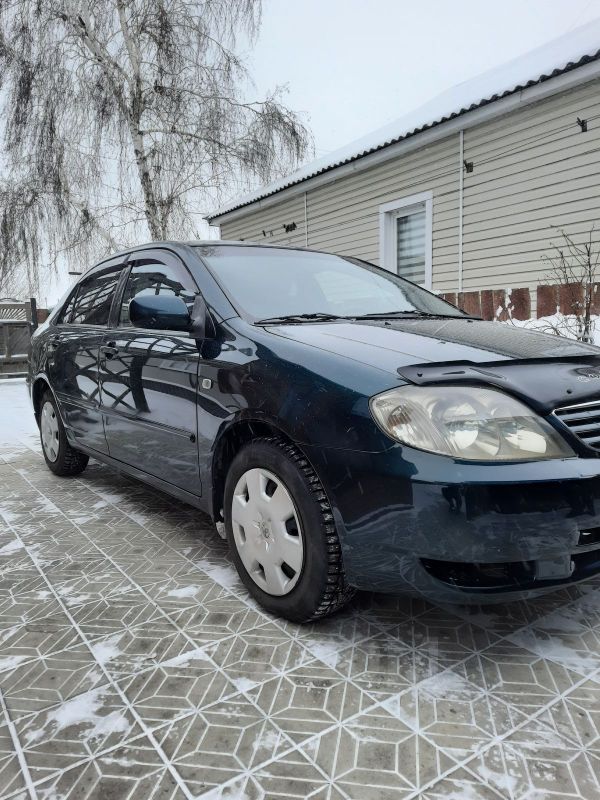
(202, 324)
(163, 312)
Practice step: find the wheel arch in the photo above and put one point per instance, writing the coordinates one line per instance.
(38, 388)
(229, 443)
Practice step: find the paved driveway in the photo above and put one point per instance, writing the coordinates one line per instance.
(134, 665)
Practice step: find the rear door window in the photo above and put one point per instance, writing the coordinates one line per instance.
(94, 298)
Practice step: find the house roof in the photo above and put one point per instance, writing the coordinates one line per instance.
(570, 51)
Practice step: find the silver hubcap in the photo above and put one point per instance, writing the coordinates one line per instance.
(267, 532)
(49, 431)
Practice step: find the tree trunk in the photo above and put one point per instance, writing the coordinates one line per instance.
(153, 216)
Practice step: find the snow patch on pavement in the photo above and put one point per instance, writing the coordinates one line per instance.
(81, 711)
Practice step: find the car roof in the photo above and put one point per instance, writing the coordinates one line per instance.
(176, 245)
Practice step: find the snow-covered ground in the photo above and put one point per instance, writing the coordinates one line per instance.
(559, 324)
(134, 665)
(17, 423)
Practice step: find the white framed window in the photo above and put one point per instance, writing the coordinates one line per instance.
(405, 237)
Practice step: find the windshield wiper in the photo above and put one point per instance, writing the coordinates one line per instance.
(317, 316)
(322, 316)
(411, 314)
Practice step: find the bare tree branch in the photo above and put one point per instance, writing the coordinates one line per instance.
(573, 267)
(124, 120)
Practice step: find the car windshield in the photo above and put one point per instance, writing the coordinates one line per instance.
(270, 283)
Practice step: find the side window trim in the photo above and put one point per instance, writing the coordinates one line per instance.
(160, 255)
(72, 297)
(114, 320)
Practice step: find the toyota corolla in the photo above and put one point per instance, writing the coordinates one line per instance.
(350, 429)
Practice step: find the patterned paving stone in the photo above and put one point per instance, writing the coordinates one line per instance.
(576, 716)
(213, 746)
(135, 649)
(461, 785)
(384, 666)
(133, 771)
(178, 686)
(562, 638)
(74, 730)
(457, 716)
(327, 638)
(19, 608)
(518, 676)
(11, 777)
(80, 589)
(375, 756)
(442, 636)
(255, 656)
(216, 619)
(308, 700)
(115, 613)
(535, 762)
(186, 591)
(48, 681)
(15, 584)
(36, 639)
(165, 679)
(291, 777)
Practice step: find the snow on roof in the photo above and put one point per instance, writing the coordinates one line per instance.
(571, 50)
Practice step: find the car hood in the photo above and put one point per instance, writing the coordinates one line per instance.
(547, 370)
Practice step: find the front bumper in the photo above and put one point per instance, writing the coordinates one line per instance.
(456, 532)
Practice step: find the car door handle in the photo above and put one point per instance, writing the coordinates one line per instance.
(109, 350)
(53, 342)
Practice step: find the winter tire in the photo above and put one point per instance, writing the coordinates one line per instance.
(61, 458)
(282, 534)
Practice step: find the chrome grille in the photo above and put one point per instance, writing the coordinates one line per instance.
(584, 421)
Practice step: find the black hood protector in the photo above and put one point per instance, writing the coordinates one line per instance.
(502, 340)
(545, 384)
(545, 371)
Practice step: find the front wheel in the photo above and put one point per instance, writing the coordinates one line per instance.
(61, 458)
(282, 534)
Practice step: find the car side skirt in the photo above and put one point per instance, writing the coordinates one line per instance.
(144, 477)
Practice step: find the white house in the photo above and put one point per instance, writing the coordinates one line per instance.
(463, 195)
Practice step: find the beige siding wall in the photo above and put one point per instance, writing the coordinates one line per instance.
(268, 226)
(533, 169)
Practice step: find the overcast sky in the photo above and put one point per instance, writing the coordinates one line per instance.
(354, 65)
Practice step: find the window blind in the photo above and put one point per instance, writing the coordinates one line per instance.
(410, 246)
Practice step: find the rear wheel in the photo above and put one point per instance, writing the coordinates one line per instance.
(281, 532)
(61, 458)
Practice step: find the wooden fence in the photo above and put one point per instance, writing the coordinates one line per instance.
(17, 323)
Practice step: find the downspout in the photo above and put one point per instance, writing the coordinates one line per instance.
(305, 221)
(461, 180)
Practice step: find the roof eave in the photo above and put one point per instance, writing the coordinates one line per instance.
(559, 80)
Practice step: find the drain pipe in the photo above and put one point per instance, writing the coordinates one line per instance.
(305, 221)
(461, 180)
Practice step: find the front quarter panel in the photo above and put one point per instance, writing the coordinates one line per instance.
(314, 396)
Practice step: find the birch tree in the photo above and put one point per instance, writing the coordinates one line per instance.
(124, 120)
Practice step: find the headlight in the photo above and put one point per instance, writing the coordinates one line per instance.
(469, 423)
